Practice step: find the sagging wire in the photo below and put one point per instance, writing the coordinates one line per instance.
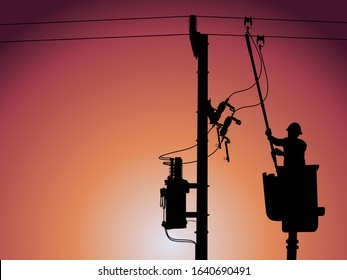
(179, 240)
(163, 205)
(221, 132)
(164, 156)
(262, 63)
(194, 161)
(250, 87)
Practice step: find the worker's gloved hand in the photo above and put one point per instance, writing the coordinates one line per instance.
(268, 132)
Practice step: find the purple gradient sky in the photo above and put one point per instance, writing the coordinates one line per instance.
(83, 124)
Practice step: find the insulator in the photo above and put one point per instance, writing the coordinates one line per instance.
(225, 127)
(178, 168)
(215, 115)
(192, 23)
(220, 109)
(172, 168)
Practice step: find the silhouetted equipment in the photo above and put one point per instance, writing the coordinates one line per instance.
(248, 25)
(291, 197)
(227, 142)
(290, 194)
(214, 115)
(173, 197)
(199, 43)
(225, 126)
(227, 123)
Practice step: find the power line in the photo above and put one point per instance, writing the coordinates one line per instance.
(163, 35)
(266, 78)
(284, 37)
(90, 20)
(306, 38)
(91, 38)
(171, 17)
(278, 19)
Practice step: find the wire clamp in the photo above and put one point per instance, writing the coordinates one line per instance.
(247, 23)
(260, 41)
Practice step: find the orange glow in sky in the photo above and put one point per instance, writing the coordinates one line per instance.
(83, 124)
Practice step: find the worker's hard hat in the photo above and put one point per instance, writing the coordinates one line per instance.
(295, 127)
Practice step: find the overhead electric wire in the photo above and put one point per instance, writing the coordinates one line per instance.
(163, 156)
(248, 88)
(92, 38)
(169, 17)
(262, 65)
(90, 20)
(160, 35)
(241, 90)
(76, 21)
(306, 38)
(267, 86)
(277, 19)
(284, 37)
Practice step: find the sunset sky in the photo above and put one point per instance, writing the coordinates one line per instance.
(83, 124)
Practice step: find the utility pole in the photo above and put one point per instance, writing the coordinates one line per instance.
(199, 44)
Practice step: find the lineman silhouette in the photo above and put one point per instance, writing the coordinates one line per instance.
(293, 147)
(291, 196)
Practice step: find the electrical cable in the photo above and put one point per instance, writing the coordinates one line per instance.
(248, 88)
(176, 239)
(89, 20)
(179, 240)
(284, 37)
(194, 161)
(278, 19)
(163, 156)
(160, 35)
(91, 38)
(266, 76)
(243, 90)
(265, 72)
(170, 17)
